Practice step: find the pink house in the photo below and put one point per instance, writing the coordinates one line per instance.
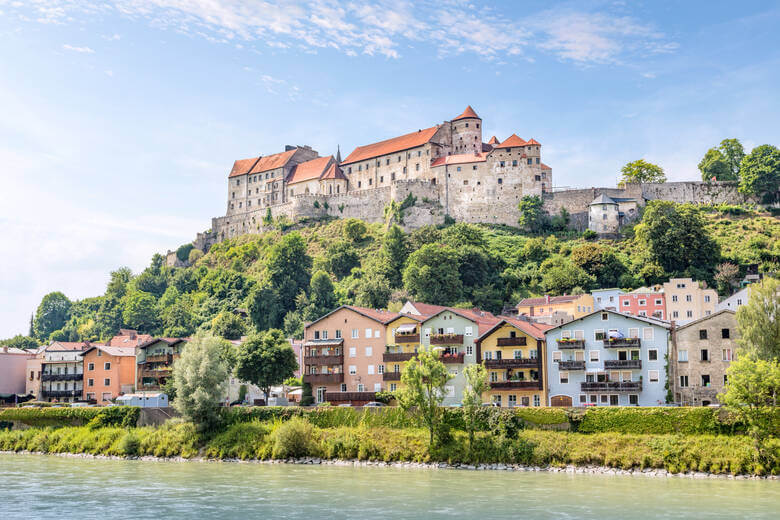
(645, 301)
(13, 367)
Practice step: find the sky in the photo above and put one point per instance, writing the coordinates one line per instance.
(120, 120)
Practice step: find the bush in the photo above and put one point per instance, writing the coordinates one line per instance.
(293, 439)
(589, 234)
(239, 441)
(129, 444)
(688, 421)
(123, 416)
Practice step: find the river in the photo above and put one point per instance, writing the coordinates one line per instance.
(50, 487)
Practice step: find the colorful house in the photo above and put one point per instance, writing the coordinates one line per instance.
(62, 372)
(514, 354)
(108, 372)
(154, 362)
(687, 300)
(606, 299)
(13, 368)
(607, 359)
(646, 302)
(403, 342)
(545, 308)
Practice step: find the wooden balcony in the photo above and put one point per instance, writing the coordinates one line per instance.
(395, 357)
(571, 344)
(630, 364)
(391, 376)
(452, 359)
(346, 397)
(612, 386)
(323, 378)
(62, 377)
(446, 339)
(160, 358)
(512, 363)
(519, 341)
(515, 385)
(407, 338)
(571, 365)
(155, 373)
(622, 342)
(332, 359)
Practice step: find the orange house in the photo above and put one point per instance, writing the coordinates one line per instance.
(108, 372)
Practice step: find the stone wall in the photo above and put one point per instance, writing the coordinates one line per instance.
(697, 192)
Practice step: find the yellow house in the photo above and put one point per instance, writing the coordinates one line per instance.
(403, 342)
(514, 354)
(543, 308)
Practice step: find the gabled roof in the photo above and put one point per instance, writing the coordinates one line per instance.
(566, 298)
(461, 158)
(494, 141)
(242, 166)
(379, 315)
(333, 172)
(426, 309)
(68, 345)
(602, 199)
(396, 144)
(545, 167)
(705, 318)
(414, 317)
(113, 351)
(533, 141)
(651, 321)
(535, 330)
(170, 341)
(309, 170)
(468, 114)
(261, 164)
(128, 340)
(511, 142)
(483, 319)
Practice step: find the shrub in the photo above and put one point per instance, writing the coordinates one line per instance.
(241, 441)
(293, 439)
(129, 444)
(689, 421)
(589, 234)
(124, 416)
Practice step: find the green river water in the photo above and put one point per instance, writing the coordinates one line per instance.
(46, 487)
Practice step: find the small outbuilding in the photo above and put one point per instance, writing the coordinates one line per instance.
(144, 400)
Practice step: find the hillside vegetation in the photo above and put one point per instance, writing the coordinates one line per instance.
(280, 279)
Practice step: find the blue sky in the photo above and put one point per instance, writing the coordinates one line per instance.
(119, 120)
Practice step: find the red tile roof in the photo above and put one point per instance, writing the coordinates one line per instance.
(69, 345)
(553, 300)
(535, 330)
(545, 167)
(261, 164)
(127, 341)
(309, 170)
(494, 140)
(114, 351)
(427, 309)
(468, 114)
(242, 166)
(460, 158)
(380, 315)
(533, 141)
(333, 172)
(396, 144)
(512, 141)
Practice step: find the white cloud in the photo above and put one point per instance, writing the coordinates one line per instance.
(83, 50)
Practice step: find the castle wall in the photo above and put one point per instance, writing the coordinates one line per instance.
(697, 192)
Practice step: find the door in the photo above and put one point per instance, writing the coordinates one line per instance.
(321, 394)
(560, 400)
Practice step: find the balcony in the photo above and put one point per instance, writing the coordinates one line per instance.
(631, 364)
(407, 338)
(62, 377)
(616, 386)
(565, 343)
(323, 378)
(160, 358)
(447, 339)
(390, 357)
(60, 393)
(519, 341)
(515, 385)
(571, 365)
(156, 373)
(391, 376)
(341, 397)
(451, 358)
(327, 359)
(512, 363)
(621, 342)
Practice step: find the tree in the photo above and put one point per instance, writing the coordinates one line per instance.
(289, 271)
(640, 171)
(532, 216)
(395, 249)
(476, 384)
(760, 173)
(560, 275)
(183, 252)
(432, 274)
(759, 321)
(200, 381)
(675, 238)
(194, 256)
(599, 261)
(293, 325)
(733, 152)
(424, 378)
(354, 230)
(265, 360)
(51, 315)
(140, 310)
(228, 325)
(726, 276)
(722, 163)
(322, 299)
(21, 342)
(340, 258)
(117, 286)
(264, 309)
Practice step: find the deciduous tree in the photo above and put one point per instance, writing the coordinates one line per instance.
(432, 274)
(760, 173)
(265, 360)
(200, 381)
(641, 171)
(424, 379)
(759, 321)
(476, 384)
(51, 315)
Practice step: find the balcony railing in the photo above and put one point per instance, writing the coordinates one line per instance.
(391, 376)
(61, 393)
(565, 343)
(632, 364)
(615, 386)
(390, 357)
(446, 339)
(332, 359)
(519, 341)
(160, 358)
(407, 338)
(520, 385)
(62, 377)
(571, 365)
(340, 397)
(512, 363)
(621, 342)
(451, 358)
(156, 373)
(324, 378)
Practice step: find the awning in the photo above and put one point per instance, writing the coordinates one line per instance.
(324, 342)
(406, 327)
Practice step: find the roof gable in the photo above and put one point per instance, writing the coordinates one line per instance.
(494, 141)
(705, 318)
(468, 114)
(396, 144)
(242, 166)
(658, 323)
(512, 141)
(309, 170)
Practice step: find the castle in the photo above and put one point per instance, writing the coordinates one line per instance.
(430, 173)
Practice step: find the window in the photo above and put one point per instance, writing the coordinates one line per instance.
(352, 352)
(107, 366)
(726, 354)
(537, 401)
(593, 356)
(613, 400)
(682, 356)
(633, 399)
(368, 333)
(500, 180)
(517, 354)
(688, 298)
(647, 333)
(652, 375)
(316, 334)
(705, 380)
(393, 387)
(417, 167)
(514, 163)
(324, 334)
(564, 378)
(652, 355)
(707, 299)
(90, 382)
(91, 366)
(633, 333)
(355, 333)
(468, 331)
(361, 387)
(458, 168)
(352, 370)
(501, 163)
(675, 314)
(556, 355)
(703, 334)
(370, 370)
(338, 334)
(626, 303)
(469, 350)
(343, 387)
(683, 381)
(530, 161)
(689, 314)
(583, 399)
(106, 382)
(380, 369)
(604, 316)
(369, 351)
(725, 333)
(376, 333)
(642, 302)
(599, 335)
(705, 354)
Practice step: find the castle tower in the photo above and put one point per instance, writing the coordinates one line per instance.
(467, 132)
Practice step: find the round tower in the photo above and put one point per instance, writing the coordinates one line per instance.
(467, 132)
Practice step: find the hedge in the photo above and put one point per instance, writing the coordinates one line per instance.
(120, 416)
(686, 421)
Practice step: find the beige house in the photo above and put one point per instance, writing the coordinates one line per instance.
(702, 351)
(688, 300)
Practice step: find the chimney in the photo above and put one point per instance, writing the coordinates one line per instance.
(289, 147)
(546, 298)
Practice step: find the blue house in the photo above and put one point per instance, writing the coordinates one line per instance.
(607, 359)
(606, 298)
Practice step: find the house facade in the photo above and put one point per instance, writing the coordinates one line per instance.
(735, 301)
(154, 362)
(513, 352)
(607, 299)
(545, 308)
(62, 372)
(108, 373)
(404, 335)
(644, 302)
(702, 352)
(688, 300)
(607, 359)
(13, 369)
